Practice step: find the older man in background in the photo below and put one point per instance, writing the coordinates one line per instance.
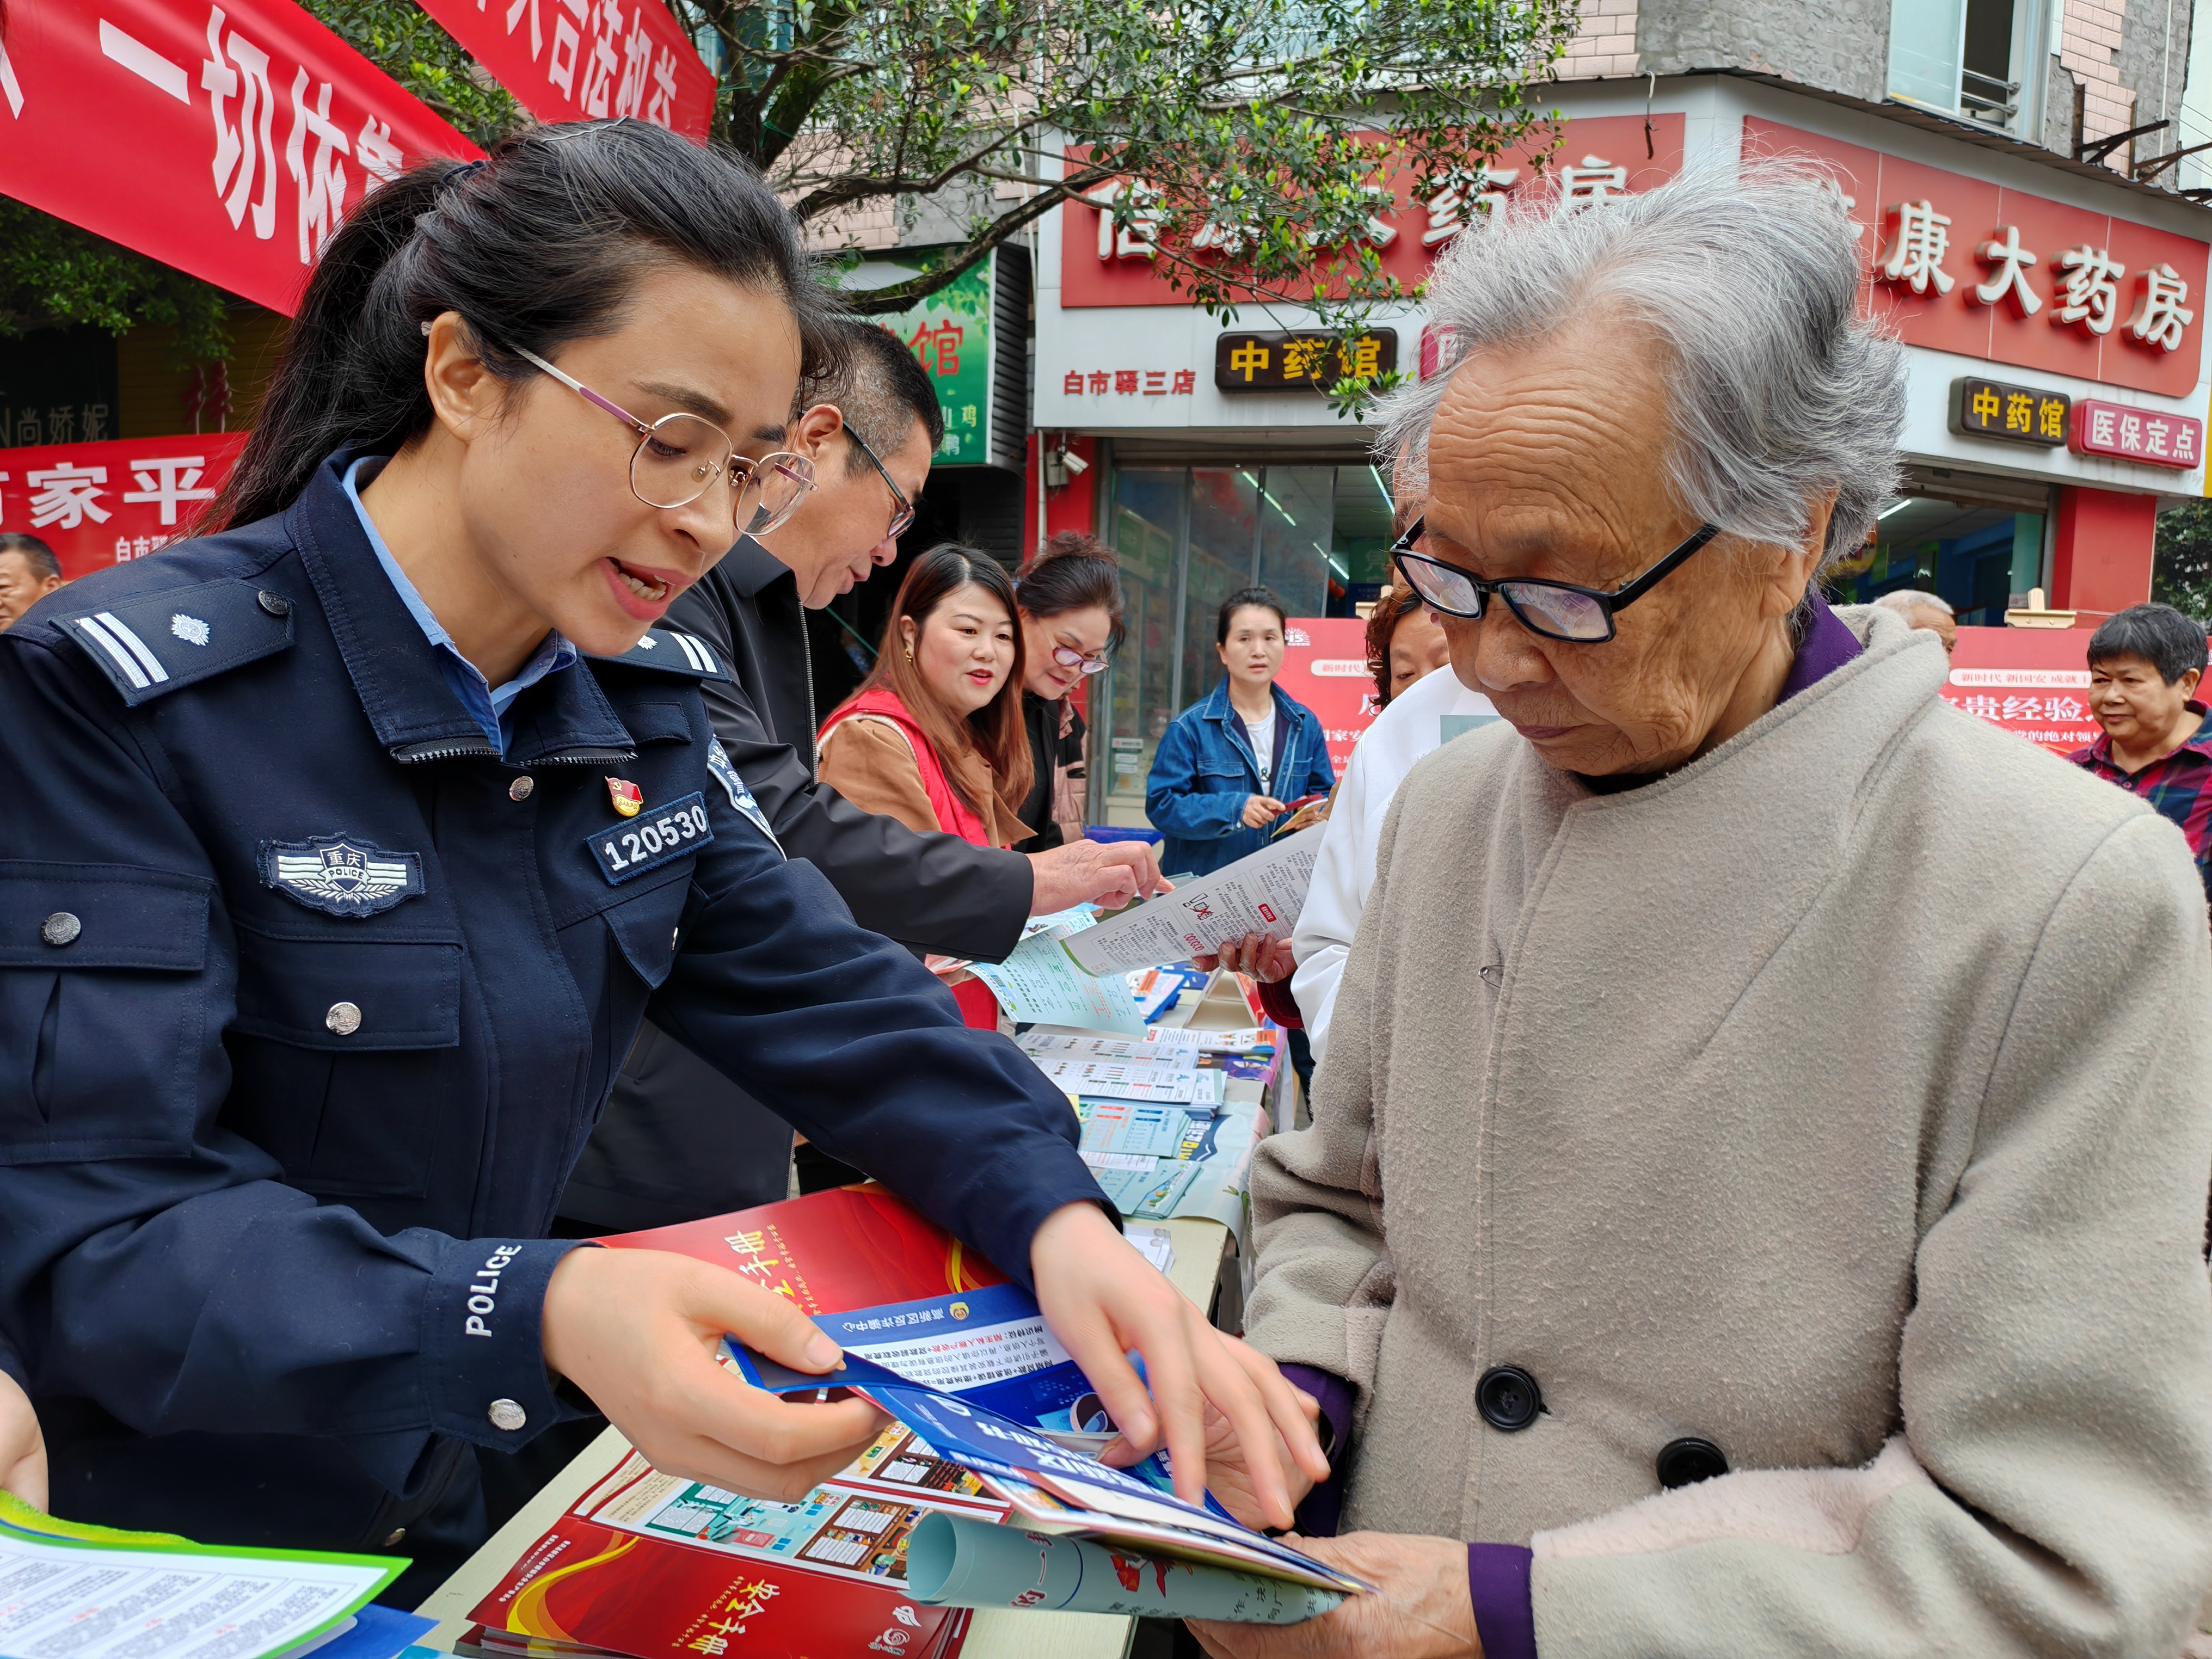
(28, 572)
(1648, 1324)
(1923, 610)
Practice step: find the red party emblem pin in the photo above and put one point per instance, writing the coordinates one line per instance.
(628, 798)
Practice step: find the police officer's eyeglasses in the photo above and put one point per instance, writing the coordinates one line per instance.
(1558, 610)
(680, 457)
(902, 509)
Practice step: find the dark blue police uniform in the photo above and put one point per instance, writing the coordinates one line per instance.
(309, 999)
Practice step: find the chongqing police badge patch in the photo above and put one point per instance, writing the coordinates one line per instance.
(339, 876)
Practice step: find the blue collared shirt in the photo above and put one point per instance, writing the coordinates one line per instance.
(491, 707)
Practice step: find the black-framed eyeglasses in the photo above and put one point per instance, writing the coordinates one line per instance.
(1558, 610)
(902, 509)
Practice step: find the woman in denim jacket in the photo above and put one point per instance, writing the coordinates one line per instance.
(1228, 766)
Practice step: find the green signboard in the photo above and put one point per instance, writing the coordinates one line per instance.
(950, 334)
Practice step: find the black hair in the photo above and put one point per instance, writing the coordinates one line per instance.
(1248, 599)
(880, 389)
(538, 244)
(1073, 572)
(2159, 634)
(36, 553)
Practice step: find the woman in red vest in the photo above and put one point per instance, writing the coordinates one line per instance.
(934, 737)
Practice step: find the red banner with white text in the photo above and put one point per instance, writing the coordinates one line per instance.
(98, 504)
(578, 60)
(227, 140)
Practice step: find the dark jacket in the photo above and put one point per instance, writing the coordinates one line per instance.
(308, 1001)
(1053, 755)
(680, 1140)
(1204, 771)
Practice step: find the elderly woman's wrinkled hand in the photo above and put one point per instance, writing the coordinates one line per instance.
(1260, 955)
(22, 1448)
(1421, 1609)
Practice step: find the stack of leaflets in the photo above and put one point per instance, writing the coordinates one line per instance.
(92, 1593)
(995, 1425)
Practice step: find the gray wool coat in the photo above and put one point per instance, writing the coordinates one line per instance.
(1843, 1099)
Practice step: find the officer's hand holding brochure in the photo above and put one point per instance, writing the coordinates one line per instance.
(995, 1433)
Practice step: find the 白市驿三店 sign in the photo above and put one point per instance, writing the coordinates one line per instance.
(1959, 264)
(2148, 437)
(2011, 414)
(1301, 361)
(579, 60)
(1106, 262)
(229, 140)
(97, 504)
(951, 336)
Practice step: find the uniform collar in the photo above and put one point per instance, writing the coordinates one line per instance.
(402, 691)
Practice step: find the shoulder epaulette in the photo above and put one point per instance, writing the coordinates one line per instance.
(151, 644)
(671, 653)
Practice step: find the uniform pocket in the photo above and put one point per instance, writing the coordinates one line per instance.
(102, 1009)
(344, 1047)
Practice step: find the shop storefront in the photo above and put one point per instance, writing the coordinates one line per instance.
(2051, 312)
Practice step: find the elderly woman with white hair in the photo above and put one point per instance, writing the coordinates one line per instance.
(1755, 1199)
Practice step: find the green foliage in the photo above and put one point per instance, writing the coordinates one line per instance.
(2181, 570)
(52, 274)
(1255, 132)
(403, 40)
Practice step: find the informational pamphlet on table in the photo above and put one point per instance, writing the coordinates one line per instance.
(1262, 894)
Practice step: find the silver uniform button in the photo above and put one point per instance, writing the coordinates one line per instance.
(395, 1538)
(60, 928)
(343, 1019)
(506, 1414)
(520, 788)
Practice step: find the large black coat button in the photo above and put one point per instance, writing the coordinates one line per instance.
(1507, 1398)
(1686, 1462)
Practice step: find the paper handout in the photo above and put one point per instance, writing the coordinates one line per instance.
(1039, 983)
(1262, 894)
(955, 1561)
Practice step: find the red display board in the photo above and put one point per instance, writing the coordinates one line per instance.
(2032, 681)
(1325, 668)
(227, 140)
(2097, 296)
(1600, 156)
(99, 504)
(576, 60)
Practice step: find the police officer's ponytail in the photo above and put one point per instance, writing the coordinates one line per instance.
(535, 246)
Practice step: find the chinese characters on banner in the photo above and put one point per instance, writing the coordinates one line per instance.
(2031, 681)
(1600, 157)
(2148, 436)
(1325, 667)
(227, 140)
(98, 504)
(1958, 264)
(575, 60)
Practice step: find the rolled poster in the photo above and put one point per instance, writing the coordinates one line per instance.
(952, 1561)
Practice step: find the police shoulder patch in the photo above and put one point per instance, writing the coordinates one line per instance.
(671, 653)
(340, 875)
(151, 644)
(734, 785)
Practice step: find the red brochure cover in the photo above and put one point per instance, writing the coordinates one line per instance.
(852, 1247)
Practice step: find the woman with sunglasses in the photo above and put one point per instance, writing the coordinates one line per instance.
(371, 825)
(1070, 598)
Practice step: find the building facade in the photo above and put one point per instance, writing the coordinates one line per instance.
(2030, 235)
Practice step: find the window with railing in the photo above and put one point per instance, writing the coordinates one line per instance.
(1972, 59)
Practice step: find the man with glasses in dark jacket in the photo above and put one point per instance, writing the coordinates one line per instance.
(680, 1140)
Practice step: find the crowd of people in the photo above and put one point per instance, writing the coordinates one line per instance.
(1754, 1198)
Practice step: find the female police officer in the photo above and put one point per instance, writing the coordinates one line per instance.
(352, 843)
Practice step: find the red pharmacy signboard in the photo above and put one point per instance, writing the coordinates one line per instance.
(99, 504)
(227, 140)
